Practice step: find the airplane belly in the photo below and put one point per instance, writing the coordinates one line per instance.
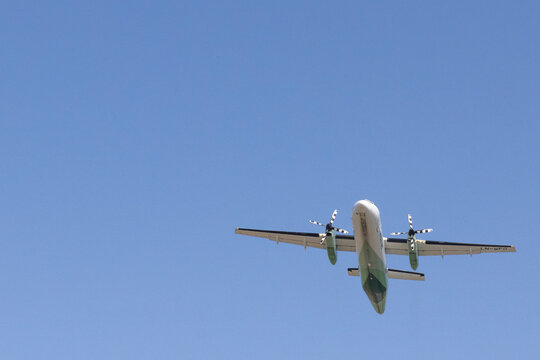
(370, 251)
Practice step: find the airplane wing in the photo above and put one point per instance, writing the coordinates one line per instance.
(427, 247)
(343, 242)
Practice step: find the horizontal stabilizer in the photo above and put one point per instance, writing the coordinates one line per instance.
(394, 274)
(405, 275)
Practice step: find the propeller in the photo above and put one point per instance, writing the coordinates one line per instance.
(411, 231)
(329, 227)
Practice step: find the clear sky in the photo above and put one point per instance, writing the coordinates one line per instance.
(135, 137)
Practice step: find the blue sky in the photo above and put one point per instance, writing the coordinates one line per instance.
(135, 137)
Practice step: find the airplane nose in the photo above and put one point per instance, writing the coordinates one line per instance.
(359, 205)
(363, 204)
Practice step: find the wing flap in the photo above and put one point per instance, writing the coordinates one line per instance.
(395, 246)
(343, 242)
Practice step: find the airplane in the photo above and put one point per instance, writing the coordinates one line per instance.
(371, 248)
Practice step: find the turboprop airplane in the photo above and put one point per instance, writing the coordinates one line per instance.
(371, 248)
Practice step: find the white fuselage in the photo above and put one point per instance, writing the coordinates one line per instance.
(370, 250)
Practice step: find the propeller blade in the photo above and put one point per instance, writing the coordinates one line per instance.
(423, 231)
(398, 233)
(323, 240)
(316, 222)
(410, 221)
(333, 217)
(343, 231)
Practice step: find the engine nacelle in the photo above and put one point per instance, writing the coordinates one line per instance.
(331, 247)
(412, 244)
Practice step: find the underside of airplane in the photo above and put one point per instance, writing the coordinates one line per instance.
(371, 248)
